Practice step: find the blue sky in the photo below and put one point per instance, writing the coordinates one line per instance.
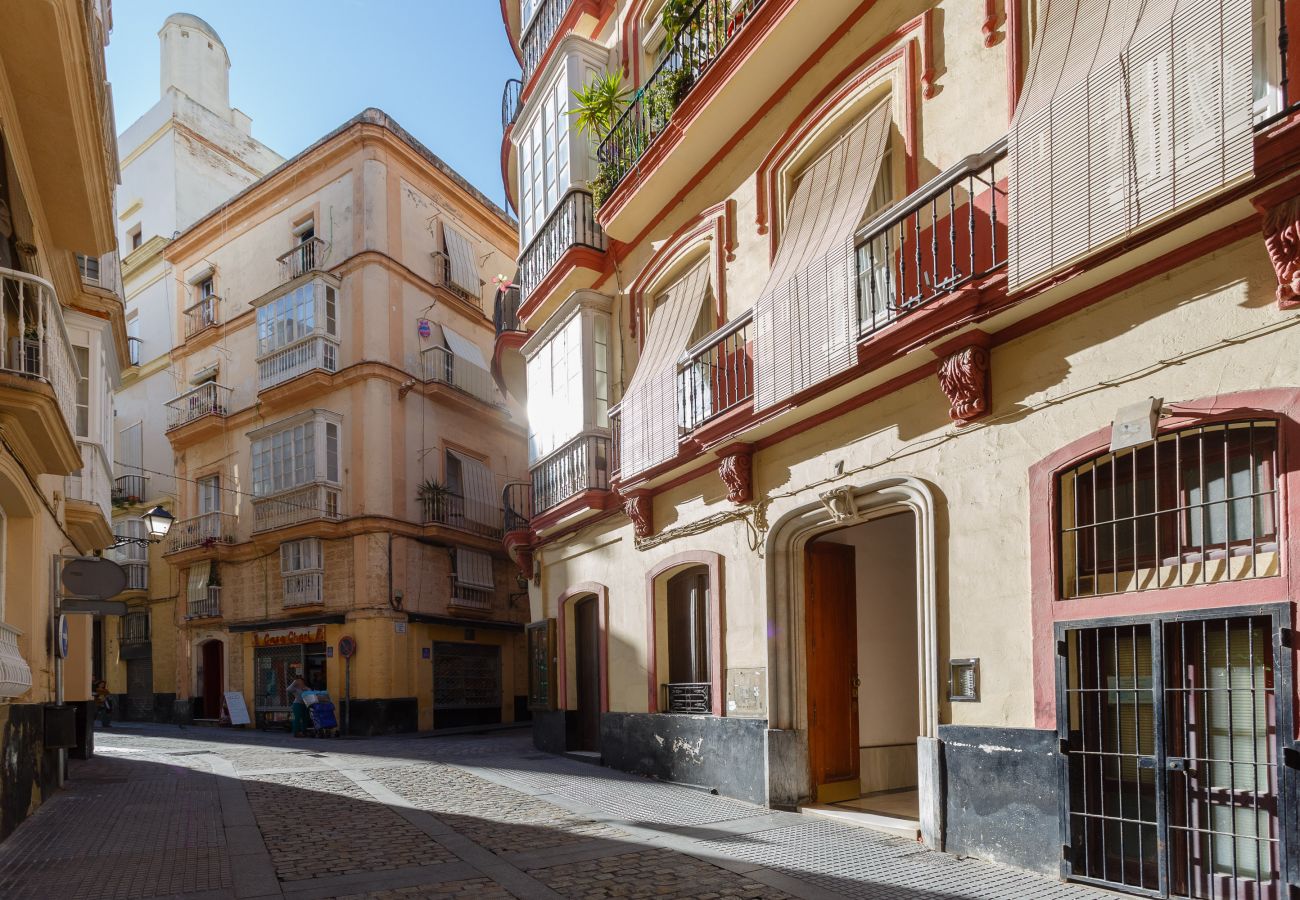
(302, 69)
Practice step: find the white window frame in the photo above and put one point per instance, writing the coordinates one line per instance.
(302, 557)
(209, 493)
(568, 373)
(306, 449)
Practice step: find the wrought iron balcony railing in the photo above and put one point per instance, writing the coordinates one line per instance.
(717, 374)
(130, 489)
(579, 465)
(206, 605)
(951, 231)
(451, 510)
(137, 576)
(510, 102)
(208, 399)
(201, 316)
(505, 311)
(539, 31)
(304, 589)
(300, 504)
(441, 365)
(517, 501)
(571, 224)
(316, 351)
(710, 28)
(34, 339)
(308, 256)
(133, 628)
(203, 530)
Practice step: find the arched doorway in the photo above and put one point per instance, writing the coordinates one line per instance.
(211, 678)
(586, 645)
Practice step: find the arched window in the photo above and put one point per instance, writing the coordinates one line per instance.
(1195, 506)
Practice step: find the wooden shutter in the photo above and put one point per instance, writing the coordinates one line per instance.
(479, 489)
(1131, 109)
(463, 270)
(474, 568)
(805, 317)
(648, 433)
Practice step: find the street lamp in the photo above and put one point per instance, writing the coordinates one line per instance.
(157, 522)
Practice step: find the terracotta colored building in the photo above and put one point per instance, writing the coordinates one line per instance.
(340, 445)
(912, 410)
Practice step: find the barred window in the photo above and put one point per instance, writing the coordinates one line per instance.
(1195, 506)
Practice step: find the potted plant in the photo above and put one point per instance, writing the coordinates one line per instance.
(433, 496)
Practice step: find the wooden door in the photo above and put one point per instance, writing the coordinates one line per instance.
(586, 638)
(213, 680)
(831, 607)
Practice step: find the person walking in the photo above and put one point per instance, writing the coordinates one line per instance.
(297, 709)
(104, 703)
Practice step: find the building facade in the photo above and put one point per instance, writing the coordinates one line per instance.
(911, 402)
(61, 352)
(189, 153)
(341, 448)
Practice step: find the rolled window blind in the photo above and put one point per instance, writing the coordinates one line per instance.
(479, 488)
(200, 572)
(805, 317)
(648, 435)
(473, 568)
(460, 253)
(1130, 110)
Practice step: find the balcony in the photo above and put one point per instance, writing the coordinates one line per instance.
(450, 510)
(505, 311)
(947, 234)
(88, 266)
(441, 365)
(469, 599)
(571, 224)
(517, 501)
(137, 576)
(300, 504)
(309, 256)
(208, 399)
(580, 465)
(717, 374)
(710, 29)
(539, 31)
(134, 346)
(94, 483)
(304, 589)
(205, 606)
(510, 102)
(204, 530)
(315, 351)
(201, 316)
(38, 374)
(442, 278)
(130, 489)
(133, 629)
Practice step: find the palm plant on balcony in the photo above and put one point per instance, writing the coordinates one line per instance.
(597, 107)
(434, 496)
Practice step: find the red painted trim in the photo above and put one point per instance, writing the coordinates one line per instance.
(717, 600)
(576, 257)
(989, 27)
(568, 599)
(718, 222)
(506, 341)
(1282, 404)
(591, 498)
(567, 24)
(1015, 57)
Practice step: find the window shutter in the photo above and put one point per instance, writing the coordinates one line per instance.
(805, 317)
(464, 272)
(479, 489)
(130, 449)
(1130, 110)
(648, 434)
(474, 568)
(463, 348)
(197, 587)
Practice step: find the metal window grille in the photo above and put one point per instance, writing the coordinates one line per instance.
(1194, 506)
(466, 676)
(692, 698)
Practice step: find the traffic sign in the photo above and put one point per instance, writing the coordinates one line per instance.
(347, 646)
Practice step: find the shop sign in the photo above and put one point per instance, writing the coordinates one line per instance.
(283, 637)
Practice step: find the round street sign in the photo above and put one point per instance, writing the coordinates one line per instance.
(93, 577)
(347, 646)
(63, 637)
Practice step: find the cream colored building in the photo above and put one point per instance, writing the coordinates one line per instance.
(824, 341)
(62, 347)
(189, 153)
(341, 447)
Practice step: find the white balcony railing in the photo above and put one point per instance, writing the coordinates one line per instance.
(301, 504)
(469, 598)
(208, 399)
(440, 364)
(204, 530)
(306, 257)
(315, 351)
(303, 589)
(34, 340)
(206, 605)
(580, 464)
(137, 576)
(94, 483)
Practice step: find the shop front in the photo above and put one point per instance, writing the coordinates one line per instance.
(279, 656)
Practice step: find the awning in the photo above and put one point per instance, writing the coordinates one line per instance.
(460, 253)
(474, 568)
(463, 348)
(648, 424)
(1129, 111)
(197, 586)
(805, 318)
(479, 488)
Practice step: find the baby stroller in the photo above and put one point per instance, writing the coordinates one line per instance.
(321, 711)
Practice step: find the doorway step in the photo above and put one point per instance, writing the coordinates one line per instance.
(207, 723)
(587, 756)
(893, 812)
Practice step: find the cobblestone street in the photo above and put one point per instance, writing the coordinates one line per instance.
(204, 813)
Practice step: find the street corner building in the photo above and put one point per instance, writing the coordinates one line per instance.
(62, 348)
(913, 416)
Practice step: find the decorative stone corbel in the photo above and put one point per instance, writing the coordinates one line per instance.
(640, 509)
(736, 469)
(524, 560)
(964, 376)
(840, 503)
(1282, 239)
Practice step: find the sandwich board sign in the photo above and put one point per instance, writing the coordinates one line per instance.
(237, 709)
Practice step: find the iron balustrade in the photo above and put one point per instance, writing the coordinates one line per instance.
(203, 530)
(615, 440)
(308, 256)
(133, 628)
(300, 504)
(710, 28)
(130, 489)
(571, 224)
(445, 367)
(717, 374)
(691, 698)
(539, 31)
(137, 576)
(442, 277)
(316, 351)
(94, 482)
(510, 102)
(304, 589)
(950, 232)
(466, 597)
(505, 311)
(208, 399)
(581, 464)
(200, 316)
(34, 339)
(449, 509)
(517, 501)
(206, 605)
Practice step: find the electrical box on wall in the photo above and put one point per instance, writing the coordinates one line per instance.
(746, 695)
(964, 680)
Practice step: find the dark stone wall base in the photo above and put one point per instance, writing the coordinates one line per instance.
(367, 718)
(182, 711)
(25, 766)
(163, 705)
(1002, 795)
(548, 731)
(85, 748)
(722, 754)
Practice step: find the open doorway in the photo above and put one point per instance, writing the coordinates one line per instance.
(586, 639)
(865, 710)
(212, 678)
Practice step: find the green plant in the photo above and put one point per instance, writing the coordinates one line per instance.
(599, 104)
(676, 17)
(665, 94)
(433, 494)
(604, 183)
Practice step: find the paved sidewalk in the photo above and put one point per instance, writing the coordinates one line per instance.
(205, 813)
